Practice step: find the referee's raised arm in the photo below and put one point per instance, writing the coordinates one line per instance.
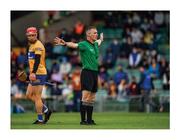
(100, 40)
(59, 41)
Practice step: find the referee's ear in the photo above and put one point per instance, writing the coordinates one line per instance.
(87, 33)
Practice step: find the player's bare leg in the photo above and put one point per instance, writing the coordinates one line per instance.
(40, 107)
(29, 93)
(37, 91)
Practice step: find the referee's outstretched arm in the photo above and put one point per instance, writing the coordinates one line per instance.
(59, 41)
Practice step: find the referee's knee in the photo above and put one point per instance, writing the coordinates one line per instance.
(89, 101)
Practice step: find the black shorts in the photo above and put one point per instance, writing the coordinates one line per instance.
(89, 80)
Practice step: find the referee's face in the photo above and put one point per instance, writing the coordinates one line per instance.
(93, 34)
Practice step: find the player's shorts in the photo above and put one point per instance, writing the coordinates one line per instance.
(40, 80)
(89, 80)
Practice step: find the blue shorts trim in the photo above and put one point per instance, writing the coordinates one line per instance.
(40, 80)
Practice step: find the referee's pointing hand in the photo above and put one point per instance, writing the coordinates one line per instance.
(59, 41)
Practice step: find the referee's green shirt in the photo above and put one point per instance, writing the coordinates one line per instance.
(89, 55)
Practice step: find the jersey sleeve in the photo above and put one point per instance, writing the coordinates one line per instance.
(38, 50)
(81, 46)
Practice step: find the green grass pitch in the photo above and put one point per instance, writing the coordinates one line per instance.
(105, 120)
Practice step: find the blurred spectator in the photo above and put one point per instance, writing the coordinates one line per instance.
(16, 91)
(133, 87)
(103, 74)
(21, 85)
(165, 73)
(59, 51)
(128, 20)
(152, 54)
(67, 93)
(134, 58)
(110, 20)
(145, 24)
(15, 94)
(74, 58)
(136, 35)
(79, 29)
(144, 62)
(13, 56)
(13, 69)
(46, 93)
(109, 59)
(152, 26)
(64, 34)
(166, 79)
(65, 66)
(76, 84)
(126, 47)
(136, 18)
(146, 85)
(14, 88)
(115, 46)
(17, 108)
(120, 75)
(55, 66)
(112, 90)
(149, 40)
(122, 90)
(159, 18)
(102, 85)
(126, 33)
(154, 69)
(21, 58)
(56, 76)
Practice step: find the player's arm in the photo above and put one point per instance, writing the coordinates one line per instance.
(37, 58)
(59, 41)
(32, 75)
(100, 40)
(36, 63)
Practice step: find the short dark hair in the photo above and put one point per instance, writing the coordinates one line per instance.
(90, 27)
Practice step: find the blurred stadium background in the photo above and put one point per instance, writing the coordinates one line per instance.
(127, 35)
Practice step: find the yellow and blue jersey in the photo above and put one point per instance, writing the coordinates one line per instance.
(37, 48)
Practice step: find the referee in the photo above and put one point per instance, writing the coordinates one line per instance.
(89, 52)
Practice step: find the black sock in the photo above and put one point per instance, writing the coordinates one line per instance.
(89, 113)
(83, 112)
